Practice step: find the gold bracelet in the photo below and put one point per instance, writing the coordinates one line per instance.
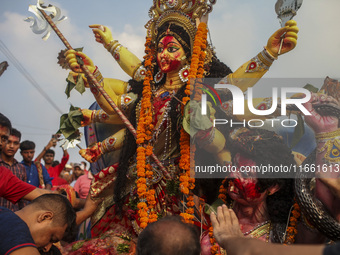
(97, 74)
(108, 145)
(265, 59)
(268, 54)
(261, 62)
(100, 116)
(113, 46)
(328, 135)
(139, 73)
(110, 44)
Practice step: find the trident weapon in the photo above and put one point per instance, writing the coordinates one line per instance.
(286, 10)
(44, 24)
(39, 25)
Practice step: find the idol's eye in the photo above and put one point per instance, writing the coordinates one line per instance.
(160, 49)
(172, 49)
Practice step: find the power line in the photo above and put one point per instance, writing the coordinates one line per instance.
(40, 134)
(26, 74)
(26, 126)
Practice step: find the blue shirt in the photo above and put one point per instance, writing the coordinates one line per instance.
(14, 232)
(333, 249)
(32, 174)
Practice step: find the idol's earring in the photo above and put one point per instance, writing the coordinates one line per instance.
(159, 76)
(184, 73)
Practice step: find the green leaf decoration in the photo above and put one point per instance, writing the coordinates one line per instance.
(172, 187)
(77, 245)
(311, 88)
(80, 87)
(213, 208)
(70, 85)
(299, 131)
(125, 237)
(80, 60)
(79, 49)
(70, 122)
(133, 201)
(123, 248)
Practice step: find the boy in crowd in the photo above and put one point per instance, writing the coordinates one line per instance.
(27, 150)
(7, 160)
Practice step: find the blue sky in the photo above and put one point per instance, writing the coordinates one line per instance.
(239, 30)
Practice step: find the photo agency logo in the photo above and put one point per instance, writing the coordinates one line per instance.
(281, 104)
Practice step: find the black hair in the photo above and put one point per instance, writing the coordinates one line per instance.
(27, 145)
(50, 151)
(63, 212)
(169, 235)
(16, 133)
(179, 33)
(5, 122)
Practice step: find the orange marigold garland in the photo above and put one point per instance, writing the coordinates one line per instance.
(215, 249)
(223, 191)
(144, 129)
(291, 231)
(187, 183)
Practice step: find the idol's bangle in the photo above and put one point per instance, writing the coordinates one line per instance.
(268, 54)
(139, 73)
(99, 116)
(266, 58)
(97, 74)
(327, 142)
(206, 137)
(261, 62)
(328, 135)
(113, 47)
(107, 145)
(100, 146)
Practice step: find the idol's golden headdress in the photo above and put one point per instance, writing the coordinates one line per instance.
(180, 12)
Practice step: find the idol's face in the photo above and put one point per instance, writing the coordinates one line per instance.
(244, 189)
(170, 54)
